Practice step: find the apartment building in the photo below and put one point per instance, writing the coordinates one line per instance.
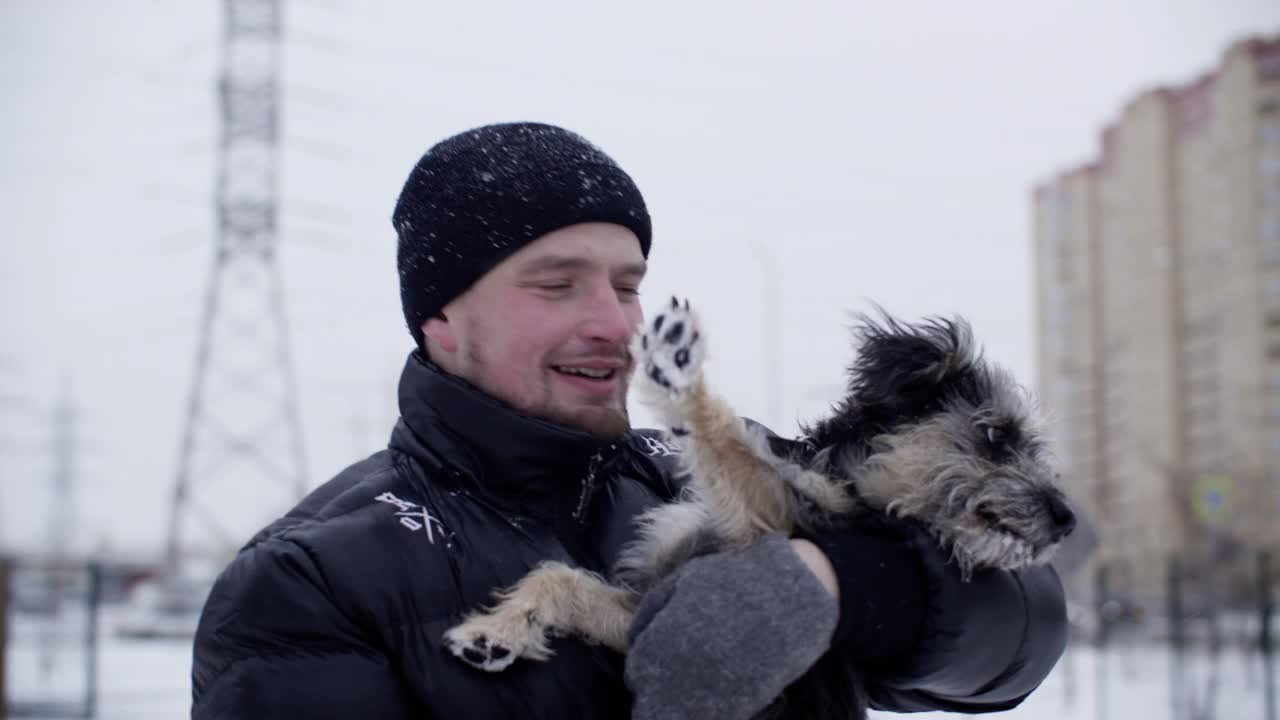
(1158, 289)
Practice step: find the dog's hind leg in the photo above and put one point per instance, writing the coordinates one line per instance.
(553, 599)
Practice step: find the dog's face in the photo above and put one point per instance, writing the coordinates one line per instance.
(952, 441)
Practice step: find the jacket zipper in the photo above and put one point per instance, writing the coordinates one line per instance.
(588, 487)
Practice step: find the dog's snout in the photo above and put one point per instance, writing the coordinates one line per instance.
(1063, 521)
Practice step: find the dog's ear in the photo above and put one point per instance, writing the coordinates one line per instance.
(903, 371)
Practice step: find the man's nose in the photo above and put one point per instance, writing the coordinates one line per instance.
(608, 319)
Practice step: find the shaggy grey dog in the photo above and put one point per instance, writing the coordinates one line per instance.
(927, 430)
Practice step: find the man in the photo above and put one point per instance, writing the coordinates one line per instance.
(521, 252)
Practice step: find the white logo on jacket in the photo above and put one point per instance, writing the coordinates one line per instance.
(413, 516)
(658, 448)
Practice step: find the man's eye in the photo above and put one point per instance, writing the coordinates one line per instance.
(628, 290)
(561, 285)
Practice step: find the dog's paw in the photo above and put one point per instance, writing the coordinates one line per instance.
(493, 641)
(477, 650)
(670, 354)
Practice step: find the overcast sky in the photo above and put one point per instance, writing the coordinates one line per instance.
(847, 152)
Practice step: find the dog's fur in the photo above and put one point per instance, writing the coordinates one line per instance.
(927, 430)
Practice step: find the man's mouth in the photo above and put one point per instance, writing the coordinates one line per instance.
(592, 373)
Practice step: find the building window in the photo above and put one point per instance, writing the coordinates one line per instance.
(1269, 64)
(1271, 289)
(1270, 134)
(1271, 253)
(1270, 164)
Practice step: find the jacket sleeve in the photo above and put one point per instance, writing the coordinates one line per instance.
(271, 644)
(980, 645)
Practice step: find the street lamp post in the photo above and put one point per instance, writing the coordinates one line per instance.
(771, 295)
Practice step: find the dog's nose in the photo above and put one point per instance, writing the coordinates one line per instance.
(1062, 520)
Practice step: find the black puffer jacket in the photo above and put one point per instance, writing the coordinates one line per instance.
(337, 609)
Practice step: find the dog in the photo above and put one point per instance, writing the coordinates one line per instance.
(927, 430)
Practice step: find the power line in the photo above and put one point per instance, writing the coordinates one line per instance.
(243, 407)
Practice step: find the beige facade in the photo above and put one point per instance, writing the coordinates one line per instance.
(1158, 282)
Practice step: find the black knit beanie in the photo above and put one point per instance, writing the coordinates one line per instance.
(479, 196)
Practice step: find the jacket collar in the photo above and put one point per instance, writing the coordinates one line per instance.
(514, 459)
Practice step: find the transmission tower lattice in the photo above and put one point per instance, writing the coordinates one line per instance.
(241, 459)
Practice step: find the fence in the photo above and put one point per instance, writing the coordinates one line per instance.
(1206, 613)
(49, 615)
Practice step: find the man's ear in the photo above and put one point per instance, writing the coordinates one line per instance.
(437, 331)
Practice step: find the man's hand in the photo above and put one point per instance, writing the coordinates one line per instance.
(727, 633)
(819, 564)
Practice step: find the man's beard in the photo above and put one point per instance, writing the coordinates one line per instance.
(603, 422)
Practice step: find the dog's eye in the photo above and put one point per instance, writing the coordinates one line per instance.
(1000, 442)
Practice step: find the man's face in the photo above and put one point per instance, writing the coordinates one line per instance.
(547, 330)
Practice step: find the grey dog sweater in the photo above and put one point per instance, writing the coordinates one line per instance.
(709, 641)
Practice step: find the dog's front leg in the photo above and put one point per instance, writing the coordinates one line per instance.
(553, 599)
(732, 468)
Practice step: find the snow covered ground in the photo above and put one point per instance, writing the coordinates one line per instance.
(145, 679)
